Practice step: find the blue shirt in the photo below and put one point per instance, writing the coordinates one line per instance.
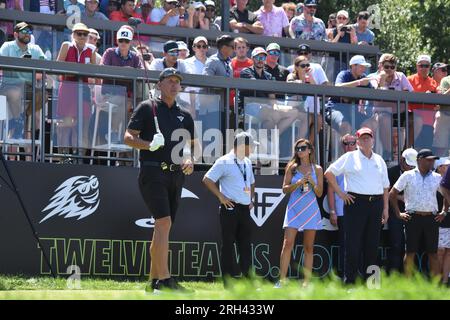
(367, 36)
(217, 65)
(231, 178)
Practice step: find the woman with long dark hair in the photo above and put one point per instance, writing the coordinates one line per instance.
(303, 180)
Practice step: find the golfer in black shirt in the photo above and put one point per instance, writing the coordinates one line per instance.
(163, 166)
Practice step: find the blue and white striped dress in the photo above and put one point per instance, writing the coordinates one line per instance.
(302, 212)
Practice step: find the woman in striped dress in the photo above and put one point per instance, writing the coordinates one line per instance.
(303, 180)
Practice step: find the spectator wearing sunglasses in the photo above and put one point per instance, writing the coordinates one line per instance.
(440, 71)
(336, 204)
(307, 26)
(423, 114)
(77, 51)
(170, 59)
(278, 72)
(388, 78)
(243, 20)
(331, 24)
(197, 61)
(197, 16)
(318, 73)
(343, 33)
(364, 35)
(93, 41)
(396, 227)
(214, 22)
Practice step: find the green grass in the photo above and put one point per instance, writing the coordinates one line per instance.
(392, 288)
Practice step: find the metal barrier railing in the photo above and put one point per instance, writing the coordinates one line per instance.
(219, 88)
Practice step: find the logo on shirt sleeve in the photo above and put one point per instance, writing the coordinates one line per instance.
(181, 118)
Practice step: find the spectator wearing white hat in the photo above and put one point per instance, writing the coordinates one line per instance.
(197, 62)
(93, 39)
(343, 33)
(214, 22)
(183, 50)
(197, 16)
(423, 114)
(91, 10)
(396, 227)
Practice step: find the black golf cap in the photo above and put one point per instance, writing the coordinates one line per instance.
(21, 26)
(310, 2)
(169, 72)
(169, 46)
(303, 48)
(426, 154)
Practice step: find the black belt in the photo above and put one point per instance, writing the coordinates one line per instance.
(163, 165)
(367, 197)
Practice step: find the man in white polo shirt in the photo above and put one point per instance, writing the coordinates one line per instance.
(234, 173)
(421, 216)
(366, 202)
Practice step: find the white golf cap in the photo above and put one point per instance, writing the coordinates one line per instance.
(342, 13)
(94, 32)
(182, 46)
(424, 57)
(410, 156)
(441, 162)
(199, 5)
(124, 33)
(200, 38)
(358, 59)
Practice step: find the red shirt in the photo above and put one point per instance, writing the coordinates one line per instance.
(239, 65)
(119, 16)
(426, 111)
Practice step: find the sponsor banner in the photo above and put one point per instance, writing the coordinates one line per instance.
(94, 217)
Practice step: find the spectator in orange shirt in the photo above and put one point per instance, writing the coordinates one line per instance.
(423, 113)
(126, 11)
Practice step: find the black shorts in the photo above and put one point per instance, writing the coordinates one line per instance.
(422, 228)
(161, 191)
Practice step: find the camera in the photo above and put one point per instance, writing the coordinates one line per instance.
(146, 56)
(26, 56)
(345, 29)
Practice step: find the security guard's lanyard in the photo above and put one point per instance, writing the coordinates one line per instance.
(244, 175)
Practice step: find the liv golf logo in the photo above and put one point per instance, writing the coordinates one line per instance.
(267, 200)
(75, 197)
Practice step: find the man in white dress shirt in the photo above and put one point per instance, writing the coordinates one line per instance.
(421, 215)
(366, 201)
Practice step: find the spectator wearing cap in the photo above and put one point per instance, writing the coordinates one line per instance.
(339, 110)
(278, 72)
(423, 114)
(364, 35)
(214, 22)
(243, 20)
(388, 78)
(219, 64)
(343, 33)
(93, 40)
(318, 73)
(18, 86)
(336, 204)
(307, 26)
(444, 230)
(440, 70)
(441, 139)
(396, 227)
(67, 108)
(168, 15)
(197, 62)
(183, 50)
(92, 12)
(421, 216)
(236, 193)
(170, 59)
(197, 16)
(273, 19)
(366, 202)
(125, 12)
(145, 8)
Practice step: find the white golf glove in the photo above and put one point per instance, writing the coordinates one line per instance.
(157, 142)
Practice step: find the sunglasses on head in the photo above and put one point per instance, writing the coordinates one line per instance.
(302, 65)
(424, 65)
(82, 34)
(388, 66)
(274, 52)
(124, 41)
(301, 148)
(26, 31)
(260, 58)
(349, 143)
(201, 46)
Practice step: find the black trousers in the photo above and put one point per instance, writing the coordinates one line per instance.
(362, 227)
(236, 226)
(341, 242)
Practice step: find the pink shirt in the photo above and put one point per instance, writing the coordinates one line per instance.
(273, 21)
